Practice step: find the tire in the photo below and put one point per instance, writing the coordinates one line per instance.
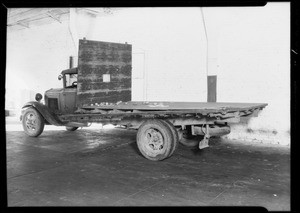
(70, 128)
(155, 140)
(175, 137)
(33, 122)
(187, 134)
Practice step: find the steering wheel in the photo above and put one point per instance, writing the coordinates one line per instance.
(74, 84)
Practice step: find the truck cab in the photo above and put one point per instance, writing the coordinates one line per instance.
(63, 100)
(103, 75)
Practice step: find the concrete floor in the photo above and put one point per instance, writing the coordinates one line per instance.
(102, 167)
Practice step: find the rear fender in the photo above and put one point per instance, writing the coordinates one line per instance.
(48, 115)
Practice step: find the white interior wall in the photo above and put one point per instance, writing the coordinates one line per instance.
(253, 60)
(248, 51)
(173, 43)
(35, 57)
(168, 49)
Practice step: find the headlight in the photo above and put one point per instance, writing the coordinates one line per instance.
(38, 97)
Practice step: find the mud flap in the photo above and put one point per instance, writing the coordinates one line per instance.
(204, 142)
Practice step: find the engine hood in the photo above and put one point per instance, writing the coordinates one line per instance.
(54, 91)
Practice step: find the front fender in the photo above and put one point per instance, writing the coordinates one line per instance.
(48, 115)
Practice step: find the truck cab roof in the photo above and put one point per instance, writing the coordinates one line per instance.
(70, 71)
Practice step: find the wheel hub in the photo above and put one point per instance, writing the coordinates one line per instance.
(31, 121)
(154, 139)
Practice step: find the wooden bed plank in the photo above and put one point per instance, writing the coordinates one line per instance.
(182, 106)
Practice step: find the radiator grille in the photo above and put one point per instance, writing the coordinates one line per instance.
(53, 103)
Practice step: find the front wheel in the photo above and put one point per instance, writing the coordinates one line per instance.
(155, 140)
(33, 122)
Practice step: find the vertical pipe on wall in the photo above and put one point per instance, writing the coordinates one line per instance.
(73, 29)
(211, 79)
(206, 37)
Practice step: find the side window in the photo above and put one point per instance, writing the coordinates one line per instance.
(73, 78)
(67, 80)
(70, 78)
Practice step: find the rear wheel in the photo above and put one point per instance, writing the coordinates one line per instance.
(155, 140)
(188, 139)
(70, 128)
(33, 122)
(175, 137)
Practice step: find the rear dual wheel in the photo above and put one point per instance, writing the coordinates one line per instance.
(187, 133)
(157, 139)
(188, 139)
(175, 137)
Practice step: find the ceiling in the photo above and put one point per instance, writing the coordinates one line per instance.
(22, 18)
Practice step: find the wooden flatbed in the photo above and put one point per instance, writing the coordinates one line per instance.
(165, 109)
(201, 107)
(134, 113)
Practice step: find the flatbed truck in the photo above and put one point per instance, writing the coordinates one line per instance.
(99, 91)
